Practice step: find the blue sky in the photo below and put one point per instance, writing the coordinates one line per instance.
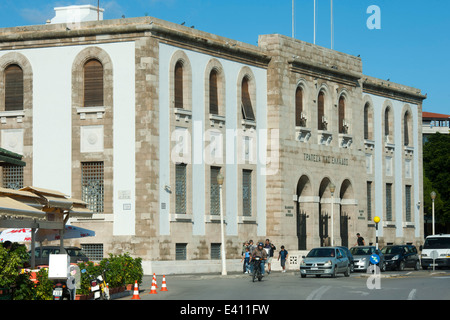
(412, 47)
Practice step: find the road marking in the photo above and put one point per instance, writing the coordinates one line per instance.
(412, 294)
(318, 293)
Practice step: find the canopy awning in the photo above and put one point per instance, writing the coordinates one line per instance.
(13, 208)
(8, 157)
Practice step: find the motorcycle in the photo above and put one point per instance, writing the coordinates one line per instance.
(256, 269)
(60, 291)
(99, 286)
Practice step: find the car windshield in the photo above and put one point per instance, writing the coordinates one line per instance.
(361, 251)
(321, 252)
(392, 250)
(75, 253)
(437, 243)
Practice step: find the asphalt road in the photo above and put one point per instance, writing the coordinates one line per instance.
(406, 285)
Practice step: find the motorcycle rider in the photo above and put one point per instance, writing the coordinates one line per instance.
(260, 252)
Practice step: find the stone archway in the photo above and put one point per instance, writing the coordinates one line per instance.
(303, 209)
(324, 212)
(346, 210)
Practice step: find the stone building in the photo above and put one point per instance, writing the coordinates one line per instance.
(138, 117)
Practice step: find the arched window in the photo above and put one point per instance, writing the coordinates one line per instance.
(321, 120)
(387, 125)
(407, 128)
(367, 122)
(179, 85)
(247, 108)
(213, 93)
(343, 128)
(299, 116)
(13, 88)
(93, 84)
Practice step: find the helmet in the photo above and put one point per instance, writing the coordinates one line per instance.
(260, 244)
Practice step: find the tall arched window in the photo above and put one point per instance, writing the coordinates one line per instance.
(367, 122)
(321, 121)
(387, 125)
(342, 125)
(407, 128)
(299, 116)
(93, 84)
(247, 108)
(213, 93)
(179, 85)
(13, 88)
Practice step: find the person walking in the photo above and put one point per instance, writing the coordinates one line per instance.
(246, 259)
(270, 248)
(283, 254)
(360, 240)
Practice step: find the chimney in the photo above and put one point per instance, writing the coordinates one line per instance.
(77, 14)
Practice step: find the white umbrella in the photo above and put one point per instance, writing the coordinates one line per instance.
(24, 234)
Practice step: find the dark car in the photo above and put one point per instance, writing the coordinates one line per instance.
(75, 254)
(350, 257)
(400, 257)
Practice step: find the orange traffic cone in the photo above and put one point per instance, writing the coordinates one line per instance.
(153, 289)
(164, 286)
(136, 292)
(154, 279)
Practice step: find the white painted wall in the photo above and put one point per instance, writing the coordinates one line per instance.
(52, 123)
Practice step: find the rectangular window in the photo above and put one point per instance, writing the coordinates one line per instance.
(408, 203)
(92, 185)
(247, 193)
(369, 200)
(214, 192)
(180, 188)
(215, 251)
(181, 251)
(389, 201)
(13, 177)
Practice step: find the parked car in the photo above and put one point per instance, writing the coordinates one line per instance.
(350, 258)
(325, 261)
(75, 253)
(439, 243)
(361, 257)
(400, 257)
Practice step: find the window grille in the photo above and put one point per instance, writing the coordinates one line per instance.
(369, 200)
(215, 251)
(92, 185)
(180, 188)
(214, 192)
(13, 177)
(389, 201)
(247, 193)
(181, 251)
(408, 203)
(93, 251)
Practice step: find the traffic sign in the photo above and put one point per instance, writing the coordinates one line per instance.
(374, 258)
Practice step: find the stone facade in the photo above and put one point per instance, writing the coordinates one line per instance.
(292, 205)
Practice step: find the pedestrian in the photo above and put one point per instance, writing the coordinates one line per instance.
(283, 256)
(270, 248)
(244, 247)
(360, 240)
(246, 259)
(7, 245)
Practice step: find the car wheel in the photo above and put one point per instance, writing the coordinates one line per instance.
(334, 274)
(417, 266)
(383, 267)
(303, 275)
(401, 266)
(347, 272)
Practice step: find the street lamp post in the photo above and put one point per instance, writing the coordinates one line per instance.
(376, 220)
(332, 189)
(222, 234)
(433, 196)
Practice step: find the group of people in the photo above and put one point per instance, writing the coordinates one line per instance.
(265, 252)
